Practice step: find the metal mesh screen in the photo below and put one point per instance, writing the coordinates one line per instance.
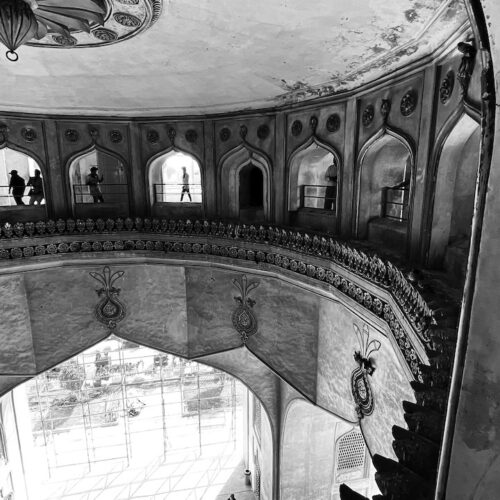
(351, 452)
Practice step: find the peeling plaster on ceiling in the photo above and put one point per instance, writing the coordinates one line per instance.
(222, 55)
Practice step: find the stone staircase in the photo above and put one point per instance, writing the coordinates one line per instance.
(413, 476)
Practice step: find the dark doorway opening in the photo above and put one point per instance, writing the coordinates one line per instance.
(251, 193)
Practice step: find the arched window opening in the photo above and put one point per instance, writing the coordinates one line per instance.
(320, 452)
(251, 190)
(454, 198)
(175, 178)
(133, 420)
(21, 182)
(98, 178)
(384, 191)
(314, 174)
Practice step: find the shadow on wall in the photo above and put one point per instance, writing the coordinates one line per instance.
(454, 199)
(319, 452)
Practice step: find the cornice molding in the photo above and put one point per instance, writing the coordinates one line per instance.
(375, 284)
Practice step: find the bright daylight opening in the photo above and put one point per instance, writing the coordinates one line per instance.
(123, 421)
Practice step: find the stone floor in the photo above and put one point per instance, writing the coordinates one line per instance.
(178, 477)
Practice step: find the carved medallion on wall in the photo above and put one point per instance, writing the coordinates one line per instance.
(109, 310)
(243, 317)
(333, 123)
(360, 383)
(368, 115)
(123, 19)
(296, 128)
(313, 123)
(243, 131)
(29, 134)
(191, 136)
(263, 132)
(446, 87)
(408, 103)
(152, 136)
(115, 136)
(224, 134)
(71, 135)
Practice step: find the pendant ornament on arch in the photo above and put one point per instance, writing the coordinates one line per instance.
(360, 383)
(109, 310)
(243, 317)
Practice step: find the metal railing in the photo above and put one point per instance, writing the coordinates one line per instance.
(111, 193)
(319, 197)
(7, 199)
(395, 203)
(172, 193)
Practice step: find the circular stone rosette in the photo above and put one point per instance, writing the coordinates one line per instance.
(123, 19)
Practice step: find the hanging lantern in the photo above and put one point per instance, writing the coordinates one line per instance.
(18, 25)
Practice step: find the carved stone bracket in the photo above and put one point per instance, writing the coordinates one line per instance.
(109, 310)
(360, 383)
(243, 317)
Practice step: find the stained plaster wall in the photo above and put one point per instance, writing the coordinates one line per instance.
(475, 454)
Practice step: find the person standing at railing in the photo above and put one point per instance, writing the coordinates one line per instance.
(331, 185)
(36, 191)
(185, 184)
(17, 185)
(93, 181)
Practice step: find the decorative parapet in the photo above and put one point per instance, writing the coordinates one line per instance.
(19, 241)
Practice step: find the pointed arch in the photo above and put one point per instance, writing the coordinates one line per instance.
(26, 171)
(368, 189)
(450, 208)
(295, 166)
(115, 188)
(230, 166)
(153, 164)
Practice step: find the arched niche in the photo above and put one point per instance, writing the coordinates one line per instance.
(239, 166)
(313, 185)
(107, 196)
(27, 203)
(383, 193)
(315, 459)
(171, 193)
(454, 191)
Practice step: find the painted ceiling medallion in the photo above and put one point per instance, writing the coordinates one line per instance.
(360, 384)
(22, 21)
(243, 317)
(118, 21)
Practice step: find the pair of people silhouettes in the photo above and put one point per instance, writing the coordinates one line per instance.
(17, 186)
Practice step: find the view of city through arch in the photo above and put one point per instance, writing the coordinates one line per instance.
(124, 421)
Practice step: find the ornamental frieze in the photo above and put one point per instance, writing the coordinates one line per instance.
(234, 241)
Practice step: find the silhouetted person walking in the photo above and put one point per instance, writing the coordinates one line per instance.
(185, 184)
(17, 185)
(36, 191)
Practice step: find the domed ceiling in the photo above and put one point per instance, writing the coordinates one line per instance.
(195, 56)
